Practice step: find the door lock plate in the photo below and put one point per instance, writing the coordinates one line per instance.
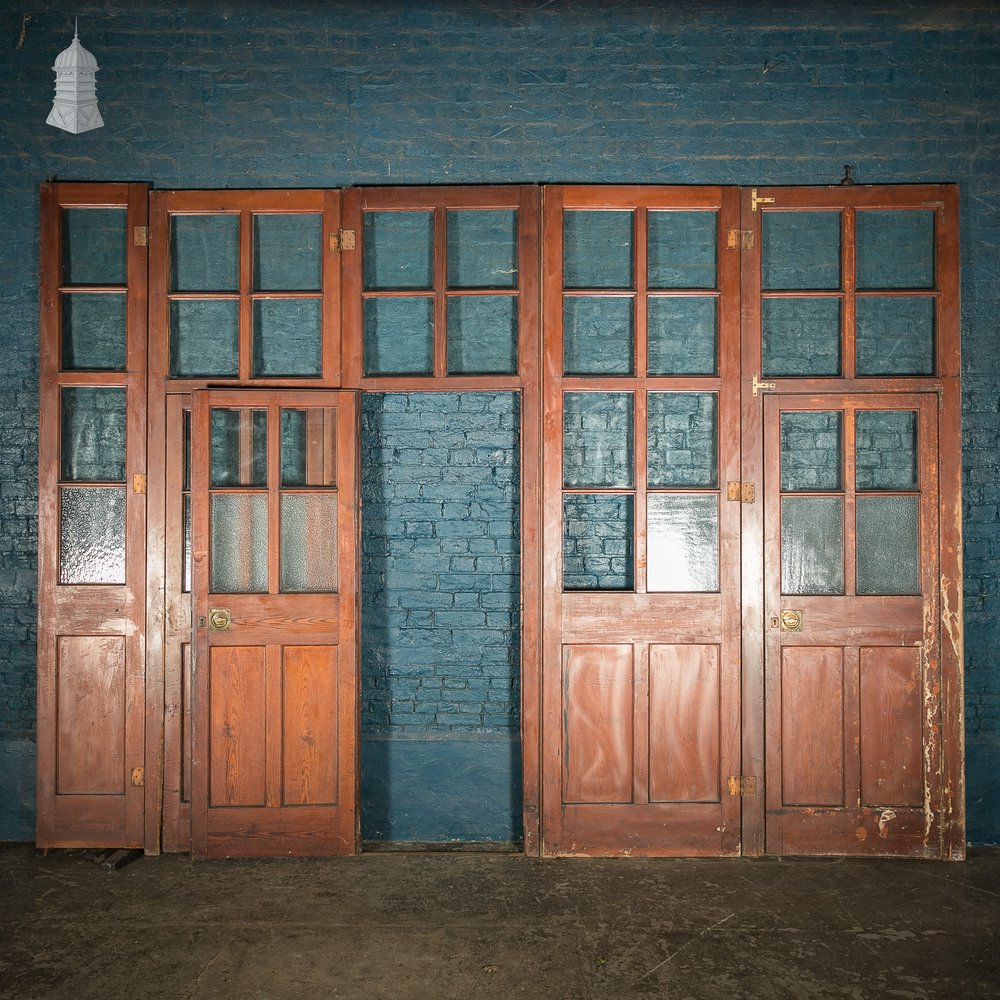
(219, 619)
(791, 620)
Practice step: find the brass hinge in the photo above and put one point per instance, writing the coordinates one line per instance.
(139, 483)
(140, 235)
(344, 240)
(741, 492)
(758, 385)
(138, 777)
(756, 200)
(740, 239)
(742, 785)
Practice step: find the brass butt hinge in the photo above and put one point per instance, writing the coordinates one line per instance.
(344, 240)
(140, 235)
(138, 777)
(139, 483)
(757, 385)
(742, 785)
(756, 199)
(740, 492)
(740, 239)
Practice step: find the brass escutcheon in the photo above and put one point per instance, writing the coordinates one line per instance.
(791, 620)
(219, 619)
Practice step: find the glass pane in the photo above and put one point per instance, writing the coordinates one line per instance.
(682, 335)
(399, 250)
(812, 545)
(308, 542)
(187, 450)
(888, 549)
(287, 338)
(801, 337)
(683, 436)
(238, 543)
(682, 542)
(597, 439)
(287, 253)
(597, 542)
(482, 334)
(597, 249)
(205, 253)
(92, 535)
(399, 336)
(186, 584)
(895, 335)
(239, 447)
(811, 450)
(896, 249)
(886, 449)
(309, 447)
(93, 246)
(482, 249)
(800, 250)
(597, 335)
(93, 332)
(204, 338)
(682, 249)
(93, 435)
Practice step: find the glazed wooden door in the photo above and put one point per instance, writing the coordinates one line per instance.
(274, 542)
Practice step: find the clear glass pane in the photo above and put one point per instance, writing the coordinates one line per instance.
(482, 249)
(682, 542)
(811, 450)
(204, 338)
(482, 334)
(205, 253)
(308, 542)
(886, 450)
(800, 250)
(682, 248)
(238, 557)
(286, 338)
(597, 249)
(93, 332)
(597, 439)
(93, 246)
(309, 447)
(399, 336)
(682, 335)
(888, 545)
(186, 558)
(683, 439)
(92, 535)
(187, 449)
(895, 249)
(801, 337)
(597, 542)
(93, 434)
(399, 250)
(597, 335)
(812, 545)
(895, 335)
(287, 253)
(239, 447)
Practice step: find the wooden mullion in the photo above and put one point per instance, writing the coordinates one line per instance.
(849, 283)
(639, 449)
(273, 718)
(273, 498)
(440, 251)
(331, 281)
(640, 723)
(246, 305)
(849, 417)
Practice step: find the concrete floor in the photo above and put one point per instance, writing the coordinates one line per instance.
(409, 927)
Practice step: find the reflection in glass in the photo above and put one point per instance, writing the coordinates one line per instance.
(205, 253)
(800, 250)
(287, 338)
(186, 559)
(812, 545)
(895, 335)
(597, 439)
(287, 252)
(238, 557)
(482, 248)
(801, 337)
(682, 249)
(597, 335)
(93, 246)
(682, 337)
(308, 542)
(204, 338)
(93, 332)
(93, 434)
(886, 449)
(682, 542)
(309, 447)
(597, 542)
(895, 248)
(597, 249)
(683, 439)
(398, 248)
(482, 334)
(888, 545)
(810, 450)
(238, 447)
(92, 534)
(399, 336)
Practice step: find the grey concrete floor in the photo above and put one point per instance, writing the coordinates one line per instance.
(490, 926)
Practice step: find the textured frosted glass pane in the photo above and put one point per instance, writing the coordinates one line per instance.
(93, 332)
(682, 249)
(308, 542)
(800, 250)
(93, 435)
(239, 543)
(682, 542)
(399, 336)
(597, 439)
(93, 246)
(597, 335)
(287, 253)
(597, 542)
(682, 336)
(895, 335)
(92, 535)
(186, 585)
(309, 447)
(482, 334)
(205, 253)
(239, 447)
(204, 338)
(482, 249)
(801, 336)
(597, 249)
(399, 250)
(886, 449)
(896, 249)
(810, 450)
(683, 439)
(286, 338)
(812, 545)
(888, 560)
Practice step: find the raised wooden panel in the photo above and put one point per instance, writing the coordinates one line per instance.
(185, 722)
(598, 686)
(683, 723)
(812, 726)
(237, 726)
(90, 749)
(891, 755)
(309, 725)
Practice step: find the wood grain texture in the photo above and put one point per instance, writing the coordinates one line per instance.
(309, 725)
